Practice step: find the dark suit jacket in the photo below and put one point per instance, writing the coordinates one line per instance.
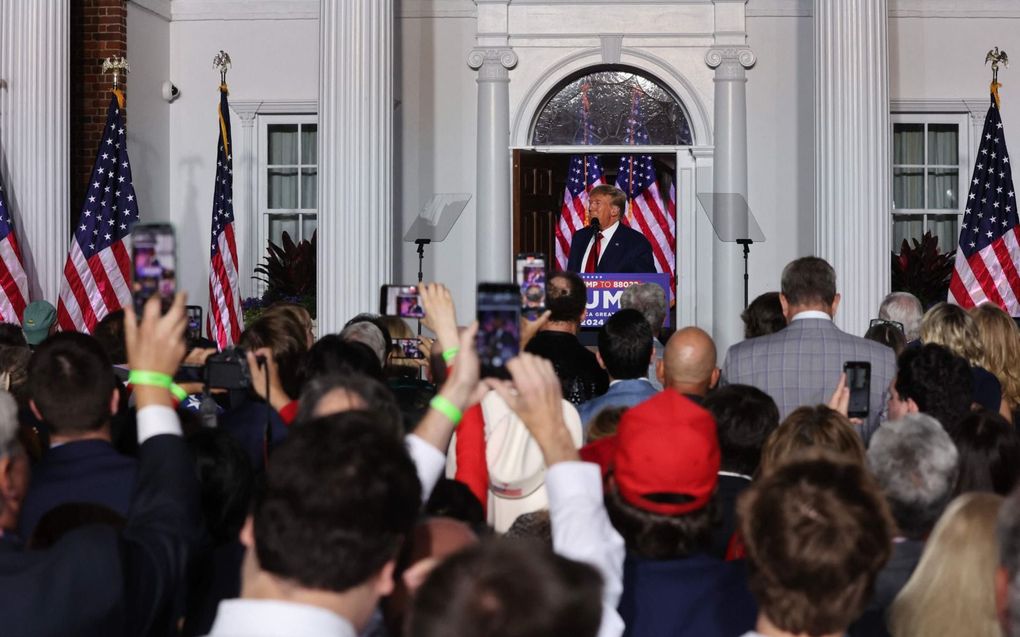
(891, 580)
(247, 423)
(97, 581)
(726, 494)
(628, 251)
(83, 471)
(699, 596)
(801, 364)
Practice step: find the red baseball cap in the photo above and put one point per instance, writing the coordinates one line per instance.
(665, 455)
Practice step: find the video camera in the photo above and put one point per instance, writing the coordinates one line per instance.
(229, 369)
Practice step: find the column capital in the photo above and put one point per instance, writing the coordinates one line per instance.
(730, 61)
(492, 63)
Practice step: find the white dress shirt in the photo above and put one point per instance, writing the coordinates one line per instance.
(273, 618)
(607, 234)
(154, 420)
(582, 532)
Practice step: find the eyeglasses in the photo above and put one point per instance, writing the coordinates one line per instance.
(896, 324)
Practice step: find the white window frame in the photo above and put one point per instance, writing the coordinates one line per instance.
(962, 120)
(262, 208)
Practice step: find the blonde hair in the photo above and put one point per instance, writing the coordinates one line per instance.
(807, 428)
(951, 327)
(1001, 341)
(951, 591)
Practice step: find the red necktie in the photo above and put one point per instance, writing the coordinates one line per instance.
(593, 256)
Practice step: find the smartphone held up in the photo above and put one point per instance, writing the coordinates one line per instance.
(530, 270)
(401, 300)
(154, 264)
(499, 327)
(858, 381)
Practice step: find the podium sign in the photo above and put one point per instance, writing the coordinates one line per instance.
(605, 290)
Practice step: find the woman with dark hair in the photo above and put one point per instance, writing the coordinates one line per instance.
(888, 335)
(989, 449)
(763, 316)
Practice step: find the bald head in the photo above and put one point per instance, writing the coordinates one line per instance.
(688, 365)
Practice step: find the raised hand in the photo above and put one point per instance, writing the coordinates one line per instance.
(156, 344)
(440, 314)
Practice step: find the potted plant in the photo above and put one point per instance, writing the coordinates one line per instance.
(288, 271)
(923, 270)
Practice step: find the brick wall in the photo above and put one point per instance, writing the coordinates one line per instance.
(98, 31)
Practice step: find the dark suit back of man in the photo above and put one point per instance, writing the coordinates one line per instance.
(627, 251)
(801, 364)
(99, 582)
(81, 471)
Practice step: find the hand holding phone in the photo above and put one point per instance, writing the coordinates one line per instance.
(858, 382)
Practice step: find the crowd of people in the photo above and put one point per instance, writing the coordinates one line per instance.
(648, 485)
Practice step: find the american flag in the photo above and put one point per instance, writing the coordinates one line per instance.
(13, 281)
(989, 252)
(647, 213)
(98, 268)
(585, 173)
(224, 296)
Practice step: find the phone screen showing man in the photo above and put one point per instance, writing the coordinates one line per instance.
(402, 301)
(499, 327)
(153, 257)
(531, 278)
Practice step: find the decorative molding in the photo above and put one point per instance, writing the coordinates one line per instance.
(897, 9)
(667, 73)
(161, 8)
(612, 46)
(245, 108)
(779, 9)
(196, 10)
(954, 9)
(730, 56)
(492, 64)
(972, 105)
(436, 9)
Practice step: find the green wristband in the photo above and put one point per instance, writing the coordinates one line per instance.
(450, 354)
(443, 405)
(157, 379)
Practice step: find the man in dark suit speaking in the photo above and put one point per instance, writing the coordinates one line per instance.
(606, 245)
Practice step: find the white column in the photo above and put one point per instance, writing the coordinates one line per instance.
(245, 202)
(852, 197)
(34, 138)
(355, 229)
(729, 177)
(492, 198)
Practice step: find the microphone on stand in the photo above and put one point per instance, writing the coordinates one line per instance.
(595, 224)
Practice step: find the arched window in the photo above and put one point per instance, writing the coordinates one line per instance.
(608, 96)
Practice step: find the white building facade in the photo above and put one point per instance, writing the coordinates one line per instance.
(846, 124)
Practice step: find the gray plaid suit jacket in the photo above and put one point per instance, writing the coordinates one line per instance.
(801, 364)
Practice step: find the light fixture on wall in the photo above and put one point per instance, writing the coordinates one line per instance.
(170, 92)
